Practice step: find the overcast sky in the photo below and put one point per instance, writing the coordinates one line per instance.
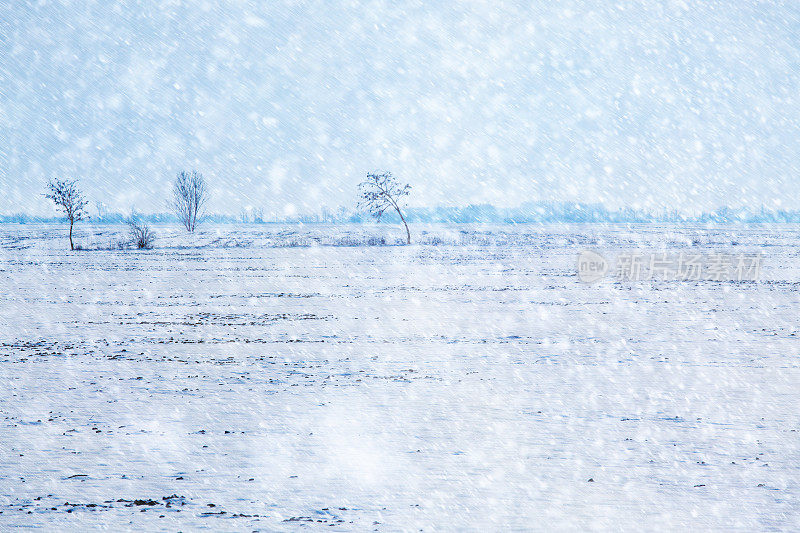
(285, 105)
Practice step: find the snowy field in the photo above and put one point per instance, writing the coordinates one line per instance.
(293, 378)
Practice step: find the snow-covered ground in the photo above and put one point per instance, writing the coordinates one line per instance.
(284, 378)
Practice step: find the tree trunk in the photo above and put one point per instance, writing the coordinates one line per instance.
(71, 247)
(408, 233)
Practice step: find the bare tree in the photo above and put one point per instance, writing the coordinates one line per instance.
(381, 191)
(189, 196)
(67, 197)
(142, 236)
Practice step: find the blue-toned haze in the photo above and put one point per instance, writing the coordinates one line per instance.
(285, 105)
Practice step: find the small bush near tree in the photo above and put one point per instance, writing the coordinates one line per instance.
(142, 236)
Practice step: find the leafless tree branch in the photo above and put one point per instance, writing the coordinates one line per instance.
(381, 191)
(69, 199)
(189, 196)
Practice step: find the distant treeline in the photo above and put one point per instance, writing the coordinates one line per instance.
(580, 213)
(532, 212)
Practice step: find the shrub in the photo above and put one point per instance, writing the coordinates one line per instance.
(142, 236)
